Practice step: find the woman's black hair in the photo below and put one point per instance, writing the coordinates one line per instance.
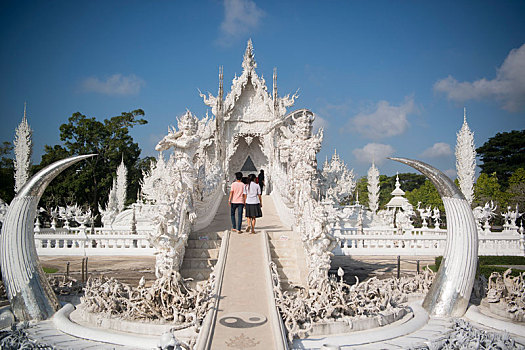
(251, 178)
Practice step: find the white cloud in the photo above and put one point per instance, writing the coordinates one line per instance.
(116, 84)
(439, 149)
(376, 152)
(319, 123)
(241, 17)
(508, 87)
(385, 121)
(450, 173)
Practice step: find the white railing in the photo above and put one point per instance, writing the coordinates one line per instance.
(84, 241)
(207, 209)
(419, 241)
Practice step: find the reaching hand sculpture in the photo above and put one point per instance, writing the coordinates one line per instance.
(450, 293)
(28, 290)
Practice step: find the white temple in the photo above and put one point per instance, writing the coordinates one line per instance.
(284, 282)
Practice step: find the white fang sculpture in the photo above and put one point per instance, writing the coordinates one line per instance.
(450, 293)
(23, 150)
(28, 290)
(466, 159)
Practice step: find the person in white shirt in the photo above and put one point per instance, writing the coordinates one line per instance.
(253, 200)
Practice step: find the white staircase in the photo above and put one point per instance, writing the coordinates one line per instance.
(286, 253)
(201, 256)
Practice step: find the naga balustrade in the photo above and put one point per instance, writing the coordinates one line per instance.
(424, 241)
(420, 241)
(87, 241)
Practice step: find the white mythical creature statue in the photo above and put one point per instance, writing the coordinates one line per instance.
(311, 219)
(436, 216)
(318, 242)
(66, 214)
(172, 188)
(404, 217)
(510, 217)
(483, 215)
(83, 217)
(425, 213)
(189, 144)
(185, 143)
(301, 148)
(163, 188)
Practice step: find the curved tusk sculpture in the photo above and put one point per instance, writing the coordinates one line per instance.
(28, 290)
(450, 293)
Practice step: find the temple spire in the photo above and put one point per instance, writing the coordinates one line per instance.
(464, 115)
(275, 88)
(248, 62)
(221, 88)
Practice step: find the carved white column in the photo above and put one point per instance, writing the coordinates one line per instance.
(466, 160)
(122, 185)
(23, 150)
(373, 188)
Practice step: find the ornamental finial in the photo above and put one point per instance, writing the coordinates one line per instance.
(275, 86)
(464, 114)
(221, 88)
(248, 62)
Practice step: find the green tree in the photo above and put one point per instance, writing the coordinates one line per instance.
(387, 184)
(427, 195)
(503, 154)
(7, 185)
(363, 193)
(88, 182)
(486, 189)
(407, 181)
(516, 191)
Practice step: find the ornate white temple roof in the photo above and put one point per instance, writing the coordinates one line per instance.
(269, 105)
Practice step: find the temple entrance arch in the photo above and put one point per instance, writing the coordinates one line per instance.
(248, 154)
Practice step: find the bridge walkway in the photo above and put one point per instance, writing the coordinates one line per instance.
(243, 317)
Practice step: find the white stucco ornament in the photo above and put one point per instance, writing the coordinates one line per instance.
(23, 150)
(337, 182)
(466, 159)
(373, 188)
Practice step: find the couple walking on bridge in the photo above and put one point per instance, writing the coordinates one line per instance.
(245, 194)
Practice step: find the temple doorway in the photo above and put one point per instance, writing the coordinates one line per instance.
(247, 158)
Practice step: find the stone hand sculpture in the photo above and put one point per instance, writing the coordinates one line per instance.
(28, 290)
(450, 293)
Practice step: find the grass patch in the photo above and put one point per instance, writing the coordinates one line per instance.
(487, 264)
(50, 269)
(502, 260)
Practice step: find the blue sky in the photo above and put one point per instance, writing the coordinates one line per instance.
(383, 77)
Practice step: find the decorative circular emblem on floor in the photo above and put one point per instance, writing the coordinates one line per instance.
(243, 319)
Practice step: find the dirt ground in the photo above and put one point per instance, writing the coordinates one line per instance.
(380, 266)
(129, 269)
